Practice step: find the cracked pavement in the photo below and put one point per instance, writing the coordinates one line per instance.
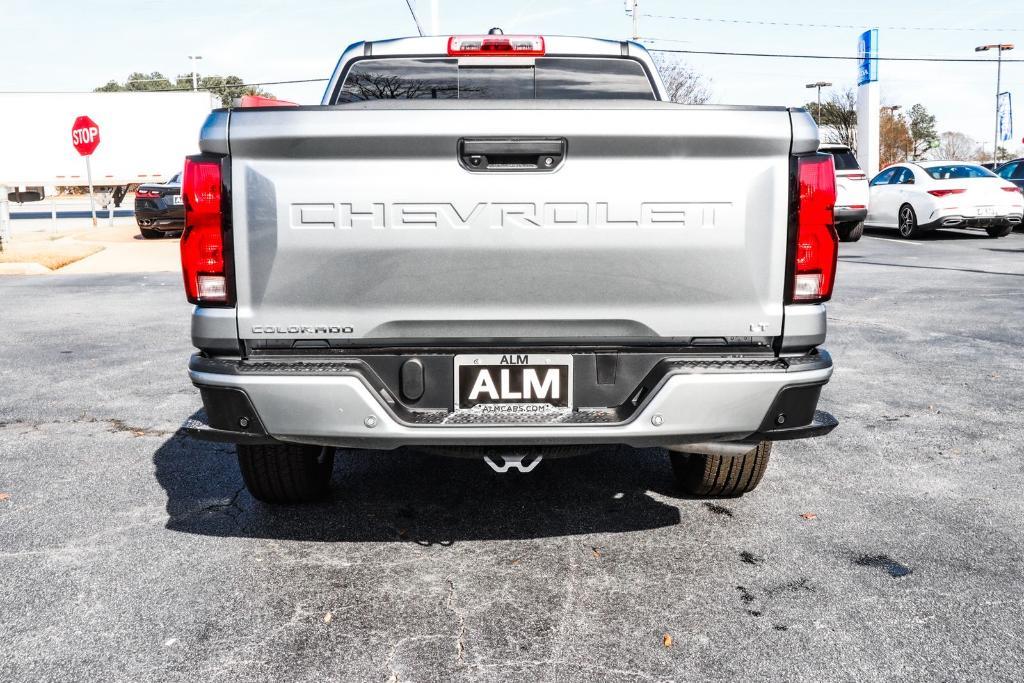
(891, 549)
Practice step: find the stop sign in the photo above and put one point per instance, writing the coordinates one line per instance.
(85, 135)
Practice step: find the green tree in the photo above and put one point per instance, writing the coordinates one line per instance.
(227, 88)
(139, 82)
(922, 130)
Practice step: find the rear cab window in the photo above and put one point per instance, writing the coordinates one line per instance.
(545, 78)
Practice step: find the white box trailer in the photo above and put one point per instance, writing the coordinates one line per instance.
(144, 136)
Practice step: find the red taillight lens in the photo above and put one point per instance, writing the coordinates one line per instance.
(147, 194)
(817, 244)
(1012, 188)
(202, 242)
(495, 46)
(945, 193)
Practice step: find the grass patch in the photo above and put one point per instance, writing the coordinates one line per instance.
(53, 255)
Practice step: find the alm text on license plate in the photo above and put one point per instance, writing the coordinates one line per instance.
(513, 382)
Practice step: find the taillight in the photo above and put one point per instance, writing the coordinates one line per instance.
(1012, 188)
(147, 194)
(202, 242)
(946, 193)
(495, 46)
(817, 245)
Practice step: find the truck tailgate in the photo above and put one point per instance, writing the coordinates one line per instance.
(360, 223)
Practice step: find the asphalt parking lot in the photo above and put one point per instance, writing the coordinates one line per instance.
(892, 549)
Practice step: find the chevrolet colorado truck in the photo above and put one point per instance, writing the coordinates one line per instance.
(507, 247)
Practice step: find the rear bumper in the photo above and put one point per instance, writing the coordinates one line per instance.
(957, 221)
(338, 404)
(846, 214)
(162, 216)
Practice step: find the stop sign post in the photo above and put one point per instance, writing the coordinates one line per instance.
(85, 136)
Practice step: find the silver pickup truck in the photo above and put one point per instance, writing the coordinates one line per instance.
(507, 247)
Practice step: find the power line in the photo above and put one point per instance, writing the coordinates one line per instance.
(793, 24)
(416, 20)
(720, 53)
(181, 89)
(963, 60)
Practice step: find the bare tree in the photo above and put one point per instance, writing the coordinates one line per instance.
(837, 119)
(380, 86)
(684, 84)
(956, 146)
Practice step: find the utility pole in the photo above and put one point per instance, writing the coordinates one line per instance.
(819, 85)
(195, 79)
(631, 10)
(999, 77)
(416, 20)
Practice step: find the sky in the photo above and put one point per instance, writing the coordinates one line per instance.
(69, 46)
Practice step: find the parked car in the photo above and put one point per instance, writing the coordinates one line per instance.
(1012, 171)
(916, 197)
(158, 208)
(851, 192)
(482, 260)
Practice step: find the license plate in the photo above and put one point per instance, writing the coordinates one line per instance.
(513, 382)
(176, 199)
(986, 211)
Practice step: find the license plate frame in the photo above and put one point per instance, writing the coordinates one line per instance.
(986, 211)
(518, 382)
(176, 200)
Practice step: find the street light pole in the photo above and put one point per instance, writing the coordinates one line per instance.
(633, 10)
(195, 80)
(998, 47)
(819, 85)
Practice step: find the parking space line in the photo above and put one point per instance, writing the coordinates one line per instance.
(889, 239)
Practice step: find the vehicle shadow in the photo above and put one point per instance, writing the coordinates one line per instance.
(170, 235)
(415, 497)
(930, 236)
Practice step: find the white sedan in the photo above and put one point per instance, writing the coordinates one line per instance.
(916, 197)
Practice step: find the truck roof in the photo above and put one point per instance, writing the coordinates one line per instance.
(437, 46)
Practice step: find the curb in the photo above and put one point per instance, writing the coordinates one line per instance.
(24, 269)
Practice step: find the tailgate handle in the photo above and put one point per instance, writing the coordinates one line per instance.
(511, 154)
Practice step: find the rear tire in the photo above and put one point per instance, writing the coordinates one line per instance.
(286, 473)
(907, 222)
(999, 230)
(717, 476)
(850, 232)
